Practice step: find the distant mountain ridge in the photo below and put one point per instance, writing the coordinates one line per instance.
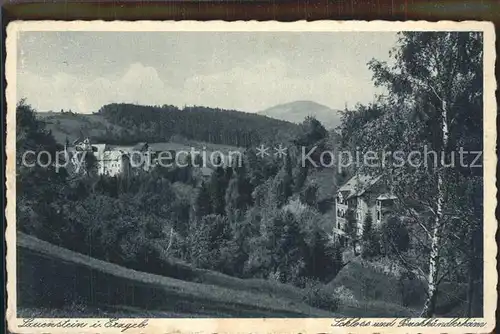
(296, 111)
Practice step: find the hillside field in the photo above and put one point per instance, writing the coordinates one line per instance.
(56, 279)
(370, 287)
(74, 126)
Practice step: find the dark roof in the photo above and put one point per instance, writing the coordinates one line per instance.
(386, 196)
(345, 193)
(139, 147)
(358, 184)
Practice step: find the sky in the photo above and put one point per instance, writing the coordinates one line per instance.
(247, 71)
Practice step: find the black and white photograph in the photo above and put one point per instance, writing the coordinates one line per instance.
(339, 173)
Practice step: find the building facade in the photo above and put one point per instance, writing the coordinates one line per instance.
(361, 196)
(109, 160)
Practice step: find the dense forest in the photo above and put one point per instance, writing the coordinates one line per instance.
(264, 219)
(159, 124)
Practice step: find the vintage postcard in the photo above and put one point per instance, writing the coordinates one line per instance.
(264, 177)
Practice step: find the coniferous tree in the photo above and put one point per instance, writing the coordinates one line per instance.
(217, 189)
(309, 195)
(239, 191)
(288, 169)
(285, 241)
(208, 236)
(323, 260)
(232, 195)
(338, 256)
(202, 205)
(255, 172)
(351, 229)
(281, 188)
(368, 227)
(371, 238)
(300, 178)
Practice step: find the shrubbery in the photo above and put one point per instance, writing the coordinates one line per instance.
(395, 234)
(321, 296)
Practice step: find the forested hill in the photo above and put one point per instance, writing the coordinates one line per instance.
(156, 124)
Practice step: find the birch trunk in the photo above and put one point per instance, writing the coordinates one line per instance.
(430, 303)
(432, 278)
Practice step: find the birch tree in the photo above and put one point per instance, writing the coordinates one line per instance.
(435, 84)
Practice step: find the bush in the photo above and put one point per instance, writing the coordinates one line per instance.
(371, 247)
(309, 195)
(208, 236)
(412, 289)
(321, 296)
(396, 236)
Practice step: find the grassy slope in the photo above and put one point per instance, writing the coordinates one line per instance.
(214, 294)
(370, 292)
(73, 126)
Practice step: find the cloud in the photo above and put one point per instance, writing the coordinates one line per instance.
(251, 88)
(46, 92)
(139, 84)
(271, 83)
(239, 86)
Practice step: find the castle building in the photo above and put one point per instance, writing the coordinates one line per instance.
(109, 160)
(113, 160)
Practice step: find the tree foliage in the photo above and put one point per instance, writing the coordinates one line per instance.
(434, 103)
